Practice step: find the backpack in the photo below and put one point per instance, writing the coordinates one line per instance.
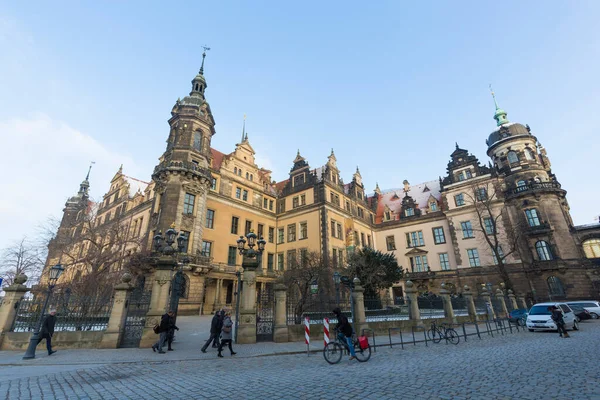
(156, 329)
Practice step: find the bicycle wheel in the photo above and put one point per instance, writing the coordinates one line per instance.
(432, 333)
(437, 336)
(452, 336)
(333, 352)
(362, 355)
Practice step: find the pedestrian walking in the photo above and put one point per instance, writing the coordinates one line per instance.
(48, 331)
(557, 317)
(171, 332)
(226, 334)
(163, 331)
(215, 330)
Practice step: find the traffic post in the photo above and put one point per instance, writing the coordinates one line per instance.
(307, 334)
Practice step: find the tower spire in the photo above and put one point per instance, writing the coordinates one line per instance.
(87, 177)
(85, 185)
(244, 129)
(203, 57)
(500, 115)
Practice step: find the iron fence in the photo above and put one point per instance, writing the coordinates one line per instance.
(382, 308)
(316, 308)
(431, 306)
(497, 304)
(459, 304)
(73, 313)
(509, 304)
(480, 305)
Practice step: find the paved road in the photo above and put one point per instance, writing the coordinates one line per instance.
(524, 365)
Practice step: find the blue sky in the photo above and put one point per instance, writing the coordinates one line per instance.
(390, 86)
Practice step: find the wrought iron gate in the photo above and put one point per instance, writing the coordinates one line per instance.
(138, 303)
(265, 321)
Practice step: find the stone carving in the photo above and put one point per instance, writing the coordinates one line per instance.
(162, 281)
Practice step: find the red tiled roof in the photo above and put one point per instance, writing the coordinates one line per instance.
(280, 185)
(217, 157)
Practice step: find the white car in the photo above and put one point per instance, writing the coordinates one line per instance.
(540, 318)
(592, 306)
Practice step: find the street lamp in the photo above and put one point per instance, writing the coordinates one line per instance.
(54, 273)
(164, 245)
(336, 280)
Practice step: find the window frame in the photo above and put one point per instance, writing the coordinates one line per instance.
(474, 259)
(209, 223)
(436, 236)
(189, 203)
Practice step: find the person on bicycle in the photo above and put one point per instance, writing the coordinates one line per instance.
(344, 331)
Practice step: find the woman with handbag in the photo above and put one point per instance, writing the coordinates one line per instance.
(226, 334)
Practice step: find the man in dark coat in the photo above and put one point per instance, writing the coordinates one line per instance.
(171, 331)
(163, 331)
(48, 330)
(215, 330)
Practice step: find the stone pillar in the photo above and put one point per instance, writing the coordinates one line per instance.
(413, 312)
(116, 323)
(485, 295)
(247, 325)
(468, 295)
(8, 309)
(522, 301)
(218, 303)
(500, 299)
(281, 331)
(448, 310)
(360, 318)
(159, 301)
(513, 299)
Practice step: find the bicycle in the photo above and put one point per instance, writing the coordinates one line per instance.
(437, 333)
(334, 350)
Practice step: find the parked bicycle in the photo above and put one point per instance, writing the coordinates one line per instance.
(438, 332)
(335, 349)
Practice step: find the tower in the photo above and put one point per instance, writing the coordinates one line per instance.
(182, 176)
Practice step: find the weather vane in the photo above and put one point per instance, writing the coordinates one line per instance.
(206, 48)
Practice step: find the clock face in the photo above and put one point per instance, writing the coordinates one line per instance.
(460, 159)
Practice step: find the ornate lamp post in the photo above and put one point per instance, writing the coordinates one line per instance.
(336, 280)
(55, 273)
(164, 245)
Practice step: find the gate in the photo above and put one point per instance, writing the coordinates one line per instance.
(265, 321)
(138, 303)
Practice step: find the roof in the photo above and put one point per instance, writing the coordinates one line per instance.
(135, 185)
(217, 157)
(392, 198)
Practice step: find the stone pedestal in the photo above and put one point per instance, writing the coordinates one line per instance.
(280, 334)
(500, 300)
(247, 325)
(488, 305)
(8, 310)
(521, 301)
(448, 310)
(360, 318)
(159, 301)
(513, 300)
(118, 314)
(468, 296)
(413, 312)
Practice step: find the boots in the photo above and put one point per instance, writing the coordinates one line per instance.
(220, 355)
(566, 335)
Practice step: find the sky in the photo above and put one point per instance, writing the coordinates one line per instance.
(390, 86)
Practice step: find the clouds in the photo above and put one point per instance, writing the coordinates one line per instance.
(44, 161)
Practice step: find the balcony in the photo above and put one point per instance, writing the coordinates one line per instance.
(541, 229)
(534, 187)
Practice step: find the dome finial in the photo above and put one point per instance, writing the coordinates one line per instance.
(500, 115)
(203, 57)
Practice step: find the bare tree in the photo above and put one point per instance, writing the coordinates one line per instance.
(22, 257)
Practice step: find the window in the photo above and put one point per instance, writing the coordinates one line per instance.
(261, 229)
(488, 224)
(197, 141)
(438, 235)
(303, 230)
(234, 225)
(206, 248)
(270, 260)
(298, 179)
(521, 183)
(555, 286)
(188, 204)
(467, 230)
(340, 234)
(391, 243)
(271, 234)
(369, 241)
(291, 258)
(356, 238)
(335, 257)
(210, 219)
(591, 248)
(409, 212)
(333, 228)
(459, 200)
(362, 239)
(232, 255)
(291, 232)
(238, 193)
(533, 218)
(433, 206)
(501, 252)
(280, 235)
(347, 205)
(468, 173)
(240, 172)
(247, 175)
(303, 257)
(248, 227)
(295, 202)
(361, 212)
(444, 261)
(281, 206)
(186, 243)
(473, 258)
(387, 216)
(543, 250)
(214, 184)
(481, 194)
(418, 264)
(251, 177)
(512, 157)
(280, 261)
(271, 205)
(414, 239)
(265, 202)
(245, 195)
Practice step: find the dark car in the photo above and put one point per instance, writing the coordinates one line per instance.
(518, 316)
(581, 312)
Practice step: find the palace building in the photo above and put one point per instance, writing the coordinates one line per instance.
(480, 224)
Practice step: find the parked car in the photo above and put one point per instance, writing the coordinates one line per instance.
(592, 306)
(518, 316)
(580, 312)
(539, 317)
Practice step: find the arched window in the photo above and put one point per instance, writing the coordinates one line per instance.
(240, 172)
(543, 250)
(512, 157)
(235, 170)
(591, 247)
(529, 154)
(251, 177)
(247, 175)
(555, 287)
(197, 141)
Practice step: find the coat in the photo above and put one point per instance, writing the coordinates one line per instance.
(227, 323)
(48, 326)
(164, 323)
(216, 324)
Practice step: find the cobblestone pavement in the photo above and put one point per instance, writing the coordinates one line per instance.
(523, 365)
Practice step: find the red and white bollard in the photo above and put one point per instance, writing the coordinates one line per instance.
(326, 331)
(307, 334)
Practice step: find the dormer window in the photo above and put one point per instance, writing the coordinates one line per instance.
(387, 216)
(433, 206)
(409, 212)
(298, 179)
(468, 173)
